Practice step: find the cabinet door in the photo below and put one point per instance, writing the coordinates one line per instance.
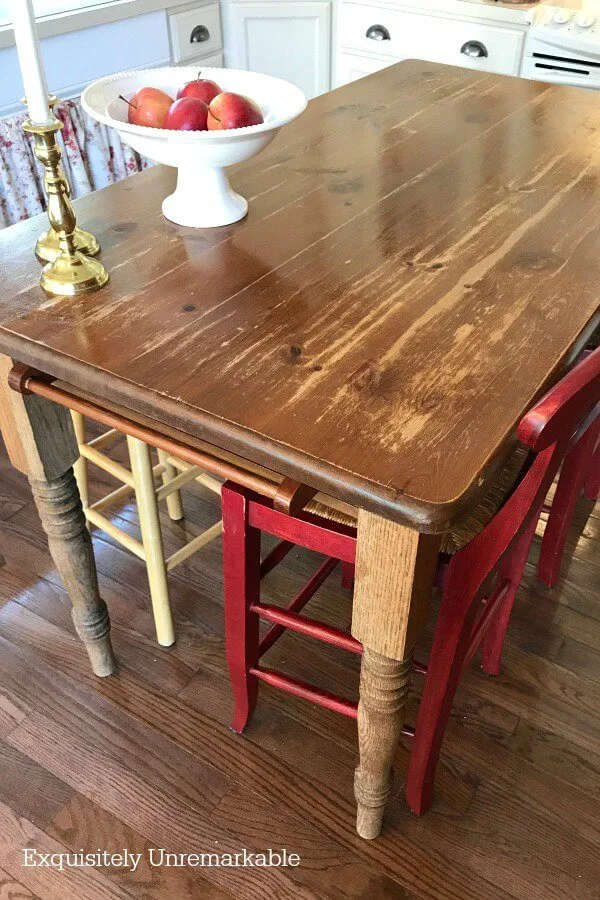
(286, 38)
(352, 66)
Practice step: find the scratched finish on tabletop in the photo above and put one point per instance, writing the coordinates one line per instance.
(421, 257)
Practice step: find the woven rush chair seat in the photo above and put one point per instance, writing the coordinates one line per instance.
(461, 533)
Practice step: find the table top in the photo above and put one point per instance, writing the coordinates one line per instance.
(420, 262)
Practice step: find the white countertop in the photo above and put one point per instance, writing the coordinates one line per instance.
(493, 10)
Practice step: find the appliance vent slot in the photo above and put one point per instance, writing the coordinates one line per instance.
(569, 60)
(561, 69)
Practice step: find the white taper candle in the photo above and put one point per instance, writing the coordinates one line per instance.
(30, 61)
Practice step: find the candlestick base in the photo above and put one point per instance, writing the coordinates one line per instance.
(47, 248)
(72, 274)
(69, 272)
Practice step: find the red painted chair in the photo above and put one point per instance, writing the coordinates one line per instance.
(580, 472)
(479, 583)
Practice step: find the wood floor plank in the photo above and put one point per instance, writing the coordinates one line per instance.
(146, 758)
(10, 889)
(282, 785)
(559, 757)
(12, 711)
(111, 726)
(29, 789)
(138, 653)
(579, 657)
(150, 811)
(545, 695)
(84, 824)
(68, 883)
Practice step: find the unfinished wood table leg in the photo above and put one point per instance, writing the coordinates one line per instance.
(70, 544)
(41, 443)
(80, 468)
(395, 573)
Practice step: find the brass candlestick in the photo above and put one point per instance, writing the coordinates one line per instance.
(69, 271)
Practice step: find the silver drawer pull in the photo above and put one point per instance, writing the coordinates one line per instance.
(199, 35)
(474, 49)
(378, 33)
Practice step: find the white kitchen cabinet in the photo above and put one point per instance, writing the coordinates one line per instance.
(195, 32)
(376, 29)
(287, 38)
(355, 65)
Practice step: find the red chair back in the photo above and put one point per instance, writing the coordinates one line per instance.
(549, 429)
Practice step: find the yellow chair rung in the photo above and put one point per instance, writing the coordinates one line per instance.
(115, 532)
(202, 477)
(120, 493)
(178, 482)
(108, 465)
(105, 438)
(194, 545)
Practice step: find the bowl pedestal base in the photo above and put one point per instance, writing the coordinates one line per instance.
(204, 199)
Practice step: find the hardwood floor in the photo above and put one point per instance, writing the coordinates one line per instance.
(145, 759)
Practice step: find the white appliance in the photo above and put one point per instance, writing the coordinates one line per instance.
(563, 46)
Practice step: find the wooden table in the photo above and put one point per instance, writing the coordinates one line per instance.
(421, 260)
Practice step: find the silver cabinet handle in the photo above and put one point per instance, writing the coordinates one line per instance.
(378, 33)
(474, 49)
(199, 35)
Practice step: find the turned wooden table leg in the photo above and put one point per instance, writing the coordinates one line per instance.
(395, 573)
(70, 544)
(41, 443)
(384, 687)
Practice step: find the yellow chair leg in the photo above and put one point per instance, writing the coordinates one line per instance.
(80, 468)
(174, 502)
(145, 492)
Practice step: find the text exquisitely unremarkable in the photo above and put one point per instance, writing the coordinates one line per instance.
(157, 857)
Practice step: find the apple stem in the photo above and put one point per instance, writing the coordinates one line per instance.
(128, 102)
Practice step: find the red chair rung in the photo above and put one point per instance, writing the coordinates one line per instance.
(419, 668)
(490, 605)
(308, 627)
(298, 603)
(279, 552)
(408, 731)
(322, 536)
(306, 691)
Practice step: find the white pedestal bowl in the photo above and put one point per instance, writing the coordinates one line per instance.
(203, 197)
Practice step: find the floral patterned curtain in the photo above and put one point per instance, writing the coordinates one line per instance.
(93, 156)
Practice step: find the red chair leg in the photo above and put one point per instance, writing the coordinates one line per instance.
(513, 568)
(347, 576)
(450, 646)
(592, 485)
(568, 489)
(241, 572)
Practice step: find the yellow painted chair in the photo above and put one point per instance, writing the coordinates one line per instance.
(140, 479)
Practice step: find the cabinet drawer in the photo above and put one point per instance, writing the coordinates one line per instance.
(215, 61)
(352, 66)
(406, 35)
(195, 32)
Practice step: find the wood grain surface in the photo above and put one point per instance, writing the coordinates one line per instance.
(146, 759)
(421, 259)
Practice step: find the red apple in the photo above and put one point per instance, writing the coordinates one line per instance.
(229, 110)
(187, 114)
(201, 88)
(148, 107)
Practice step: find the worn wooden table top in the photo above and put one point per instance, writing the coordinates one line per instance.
(421, 259)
